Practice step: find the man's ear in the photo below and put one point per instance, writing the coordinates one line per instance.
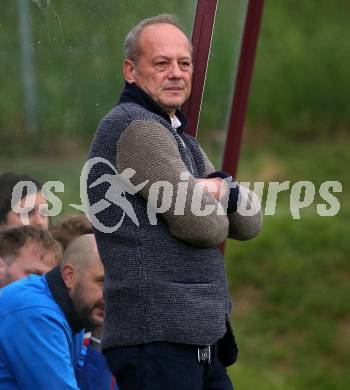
(129, 71)
(69, 275)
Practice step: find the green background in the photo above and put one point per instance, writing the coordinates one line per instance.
(290, 285)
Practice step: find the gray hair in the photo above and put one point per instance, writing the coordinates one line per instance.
(131, 43)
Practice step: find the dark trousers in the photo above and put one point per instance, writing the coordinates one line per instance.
(166, 366)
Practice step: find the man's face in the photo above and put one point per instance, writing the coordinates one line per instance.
(31, 259)
(31, 202)
(87, 295)
(164, 67)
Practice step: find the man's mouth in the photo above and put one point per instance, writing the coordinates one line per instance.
(99, 313)
(100, 310)
(174, 88)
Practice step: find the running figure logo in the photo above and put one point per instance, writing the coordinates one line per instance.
(119, 185)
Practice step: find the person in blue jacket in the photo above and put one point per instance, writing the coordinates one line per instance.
(42, 317)
(94, 374)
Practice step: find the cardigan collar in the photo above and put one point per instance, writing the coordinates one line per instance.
(60, 294)
(134, 94)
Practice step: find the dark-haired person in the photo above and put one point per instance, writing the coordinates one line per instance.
(41, 317)
(26, 250)
(31, 195)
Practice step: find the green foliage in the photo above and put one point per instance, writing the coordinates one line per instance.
(78, 53)
(300, 76)
(300, 82)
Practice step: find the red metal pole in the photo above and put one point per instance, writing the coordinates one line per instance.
(241, 89)
(201, 40)
(242, 85)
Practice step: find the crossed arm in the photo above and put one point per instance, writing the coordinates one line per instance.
(151, 150)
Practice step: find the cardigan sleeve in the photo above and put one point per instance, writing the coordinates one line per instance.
(242, 225)
(151, 150)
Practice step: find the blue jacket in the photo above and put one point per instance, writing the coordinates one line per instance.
(95, 374)
(37, 348)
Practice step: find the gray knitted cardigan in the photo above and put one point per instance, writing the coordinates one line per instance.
(163, 282)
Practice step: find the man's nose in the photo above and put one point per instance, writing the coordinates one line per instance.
(175, 71)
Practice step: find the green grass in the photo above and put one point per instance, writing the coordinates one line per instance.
(290, 285)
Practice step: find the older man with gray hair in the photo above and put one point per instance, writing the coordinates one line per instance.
(167, 301)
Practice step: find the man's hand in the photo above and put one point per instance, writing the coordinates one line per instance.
(216, 186)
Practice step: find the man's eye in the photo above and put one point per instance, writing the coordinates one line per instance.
(184, 64)
(161, 64)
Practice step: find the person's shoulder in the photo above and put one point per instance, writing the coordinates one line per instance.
(117, 120)
(136, 112)
(125, 113)
(29, 303)
(31, 292)
(113, 123)
(116, 113)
